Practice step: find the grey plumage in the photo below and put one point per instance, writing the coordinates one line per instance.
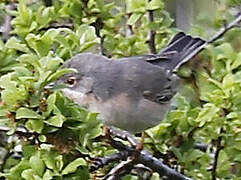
(130, 93)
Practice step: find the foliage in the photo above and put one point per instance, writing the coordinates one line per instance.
(61, 136)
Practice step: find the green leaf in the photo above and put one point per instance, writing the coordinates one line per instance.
(22, 71)
(27, 113)
(7, 83)
(59, 162)
(237, 62)
(56, 121)
(49, 160)
(48, 175)
(155, 4)
(14, 43)
(51, 103)
(29, 174)
(208, 112)
(42, 44)
(35, 125)
(37, 164)
(225, 50)
(12, 94)
(16, 171)
(60, 73)
(29, 59)
(28, 150)
(42, 138)
(72, 167)
(50, 63)
(136, 6)
(134, 18)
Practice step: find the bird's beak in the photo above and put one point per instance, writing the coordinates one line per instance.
(50, 85)
(55, 86)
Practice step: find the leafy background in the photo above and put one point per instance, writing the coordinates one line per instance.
(57, 136)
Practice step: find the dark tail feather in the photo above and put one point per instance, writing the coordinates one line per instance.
(180, 50)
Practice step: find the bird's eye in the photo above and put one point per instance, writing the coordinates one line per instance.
(163, 98)
(71, 81)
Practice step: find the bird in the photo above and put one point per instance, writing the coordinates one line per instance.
(131, 93)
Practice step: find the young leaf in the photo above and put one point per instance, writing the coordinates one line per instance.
(71, 167)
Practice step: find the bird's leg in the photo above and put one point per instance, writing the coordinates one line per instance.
(107, 132)
(140, 145)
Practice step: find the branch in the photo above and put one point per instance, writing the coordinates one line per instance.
(124, 135)
(129, 30)
(219, 148)
(227, 27)
(153, 163)
(58, 25)
(98, 25)
(218, 35)
(129, 166)
(202, 147)
(152, 34)
(120, 170)
(102, 161)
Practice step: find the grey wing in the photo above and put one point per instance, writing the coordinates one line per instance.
(140, 78)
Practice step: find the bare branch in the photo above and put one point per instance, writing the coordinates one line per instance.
(120, 170)
(152, 34)
(102, 161)
(129, 29)
(98, 25)
(148, 160)
(124, 135)
(58, 25)
(218, 35)
(219, 148)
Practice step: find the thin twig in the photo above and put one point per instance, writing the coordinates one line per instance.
(120, 170)
(201, 146)
(218, 35)
(152, 34)
(98, 25)
(219, 148)
(102, 161)
(124, 135)
(129, 30)
(57, 26)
